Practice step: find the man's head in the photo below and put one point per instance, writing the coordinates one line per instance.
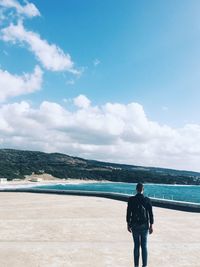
(140, 187)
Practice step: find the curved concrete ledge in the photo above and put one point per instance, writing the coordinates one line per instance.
(163, 203)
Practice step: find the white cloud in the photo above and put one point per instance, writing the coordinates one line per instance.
(15, 85)
(49, 55)
(2, 16)
(70, 82)
(112, 132)
(96, 62)
(29, 10)
(82, 101)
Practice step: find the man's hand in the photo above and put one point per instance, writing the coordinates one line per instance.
(129, 228)
(151, 229)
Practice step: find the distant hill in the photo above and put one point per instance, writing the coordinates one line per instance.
(18, 163)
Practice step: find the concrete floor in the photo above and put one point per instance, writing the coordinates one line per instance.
(56, 231)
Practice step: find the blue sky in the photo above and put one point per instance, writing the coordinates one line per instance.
(127, 69)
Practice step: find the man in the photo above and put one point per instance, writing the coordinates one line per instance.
(140, 220)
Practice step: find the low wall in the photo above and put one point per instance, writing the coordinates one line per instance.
(163, 203)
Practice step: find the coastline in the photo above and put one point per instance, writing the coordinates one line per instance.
(52, 184)
(34, 180)
(24, 184)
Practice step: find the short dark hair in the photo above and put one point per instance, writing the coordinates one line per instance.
(139, 187)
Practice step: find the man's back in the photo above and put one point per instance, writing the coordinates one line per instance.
(137, 205)
(139, 219)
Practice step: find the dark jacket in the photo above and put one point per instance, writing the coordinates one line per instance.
(132, 202)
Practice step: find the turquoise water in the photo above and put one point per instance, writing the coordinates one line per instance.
(187, 193)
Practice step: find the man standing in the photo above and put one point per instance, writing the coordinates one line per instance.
(140, 220)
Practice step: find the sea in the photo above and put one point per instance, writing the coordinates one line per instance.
(183, 193)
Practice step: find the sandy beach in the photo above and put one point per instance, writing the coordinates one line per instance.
(58, 230)
(45, 180)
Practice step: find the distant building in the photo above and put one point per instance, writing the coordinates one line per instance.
(36, 179)
(3, 180)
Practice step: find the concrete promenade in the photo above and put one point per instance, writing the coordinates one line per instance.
(40, 230)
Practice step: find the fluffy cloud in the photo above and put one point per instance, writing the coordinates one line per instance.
(112, 132)
(15, 85)
(49, 55)
(96, 62)
(82, 101)
(29, 10)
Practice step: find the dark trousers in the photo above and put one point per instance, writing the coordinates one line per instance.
(140, 234)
